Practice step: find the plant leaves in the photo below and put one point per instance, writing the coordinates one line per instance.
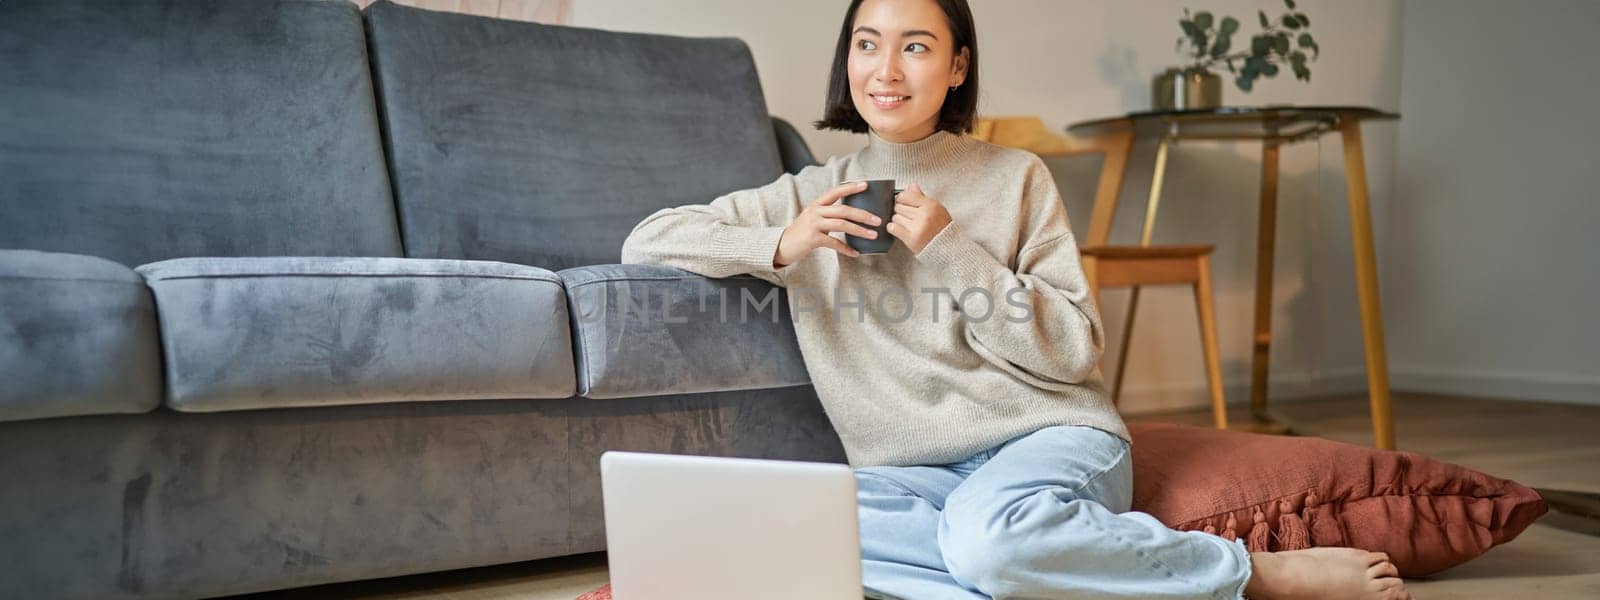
(1202, 20)
(1271, 70)
(1228, 26)
(1305, 41)
(1281, 43)
(1194, 35)
(1220, 48)
(1290, 3)
(1245, 81)
(1291, 22)
(1260, 45)
(1263, 15)
(1304, 21)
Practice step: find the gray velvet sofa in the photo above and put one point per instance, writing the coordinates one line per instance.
(292, 293)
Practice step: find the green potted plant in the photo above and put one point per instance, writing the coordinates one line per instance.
(1207, 41)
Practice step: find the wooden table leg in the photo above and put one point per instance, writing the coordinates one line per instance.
(1355, 172)
(1266, 238)
(1151, 206)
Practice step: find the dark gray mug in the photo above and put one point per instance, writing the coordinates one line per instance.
(877, 199)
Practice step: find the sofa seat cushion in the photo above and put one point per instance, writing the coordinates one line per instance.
(646, 330)
(245, 333)
(77, 337)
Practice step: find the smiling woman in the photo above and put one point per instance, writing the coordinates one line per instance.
(904, 70)
(989, 460)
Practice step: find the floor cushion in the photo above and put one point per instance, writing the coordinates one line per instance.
(1288, 493)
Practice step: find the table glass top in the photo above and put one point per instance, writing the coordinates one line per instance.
(1280, 121)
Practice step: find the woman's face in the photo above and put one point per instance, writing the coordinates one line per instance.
(902, 63)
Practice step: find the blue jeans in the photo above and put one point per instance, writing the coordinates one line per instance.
(1044, 515)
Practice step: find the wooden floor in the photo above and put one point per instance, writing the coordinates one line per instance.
(1537, 444)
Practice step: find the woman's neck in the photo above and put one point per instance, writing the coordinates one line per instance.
(924, 130)
(922, 159)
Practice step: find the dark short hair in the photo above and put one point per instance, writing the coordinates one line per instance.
(960, 106)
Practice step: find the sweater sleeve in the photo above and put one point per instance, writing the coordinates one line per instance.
(1057, 339)
(735, 234)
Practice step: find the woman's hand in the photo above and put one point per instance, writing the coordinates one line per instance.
(809, 230)
(917, 218)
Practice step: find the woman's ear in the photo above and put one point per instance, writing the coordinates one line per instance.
(958, 68)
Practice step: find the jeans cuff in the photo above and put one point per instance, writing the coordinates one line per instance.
(1249, 569)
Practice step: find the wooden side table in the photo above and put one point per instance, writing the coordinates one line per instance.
(1273, 126)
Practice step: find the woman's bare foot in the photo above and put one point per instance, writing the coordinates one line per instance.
(1324, 574)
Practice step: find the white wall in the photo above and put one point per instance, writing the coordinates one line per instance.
(1492, 251)
(1072, 60)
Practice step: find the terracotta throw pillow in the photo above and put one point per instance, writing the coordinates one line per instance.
(1289, 493)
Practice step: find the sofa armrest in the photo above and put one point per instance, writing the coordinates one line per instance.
(77, 337)
(792, 148)
(648, 330)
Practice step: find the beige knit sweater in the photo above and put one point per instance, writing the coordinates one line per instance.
(909, 374)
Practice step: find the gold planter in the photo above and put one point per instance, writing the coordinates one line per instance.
(1186, 89)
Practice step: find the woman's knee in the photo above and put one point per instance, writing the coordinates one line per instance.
(983, 548)
(978, 557)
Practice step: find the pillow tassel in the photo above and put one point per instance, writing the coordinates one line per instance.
(1230, 532)
(1259, 534)
(1292, 532)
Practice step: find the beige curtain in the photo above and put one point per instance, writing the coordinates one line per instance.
(556, 12)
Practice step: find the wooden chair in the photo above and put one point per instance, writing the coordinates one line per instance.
(1112, 266)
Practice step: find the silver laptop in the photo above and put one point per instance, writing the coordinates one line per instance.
(706, 528)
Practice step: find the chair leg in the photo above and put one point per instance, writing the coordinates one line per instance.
(1127, 339)
(1208, 341)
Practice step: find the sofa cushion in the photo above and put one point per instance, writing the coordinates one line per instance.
(243, 333)
(140, 131)
(77, 337)
(646, 330)
(544, 145)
